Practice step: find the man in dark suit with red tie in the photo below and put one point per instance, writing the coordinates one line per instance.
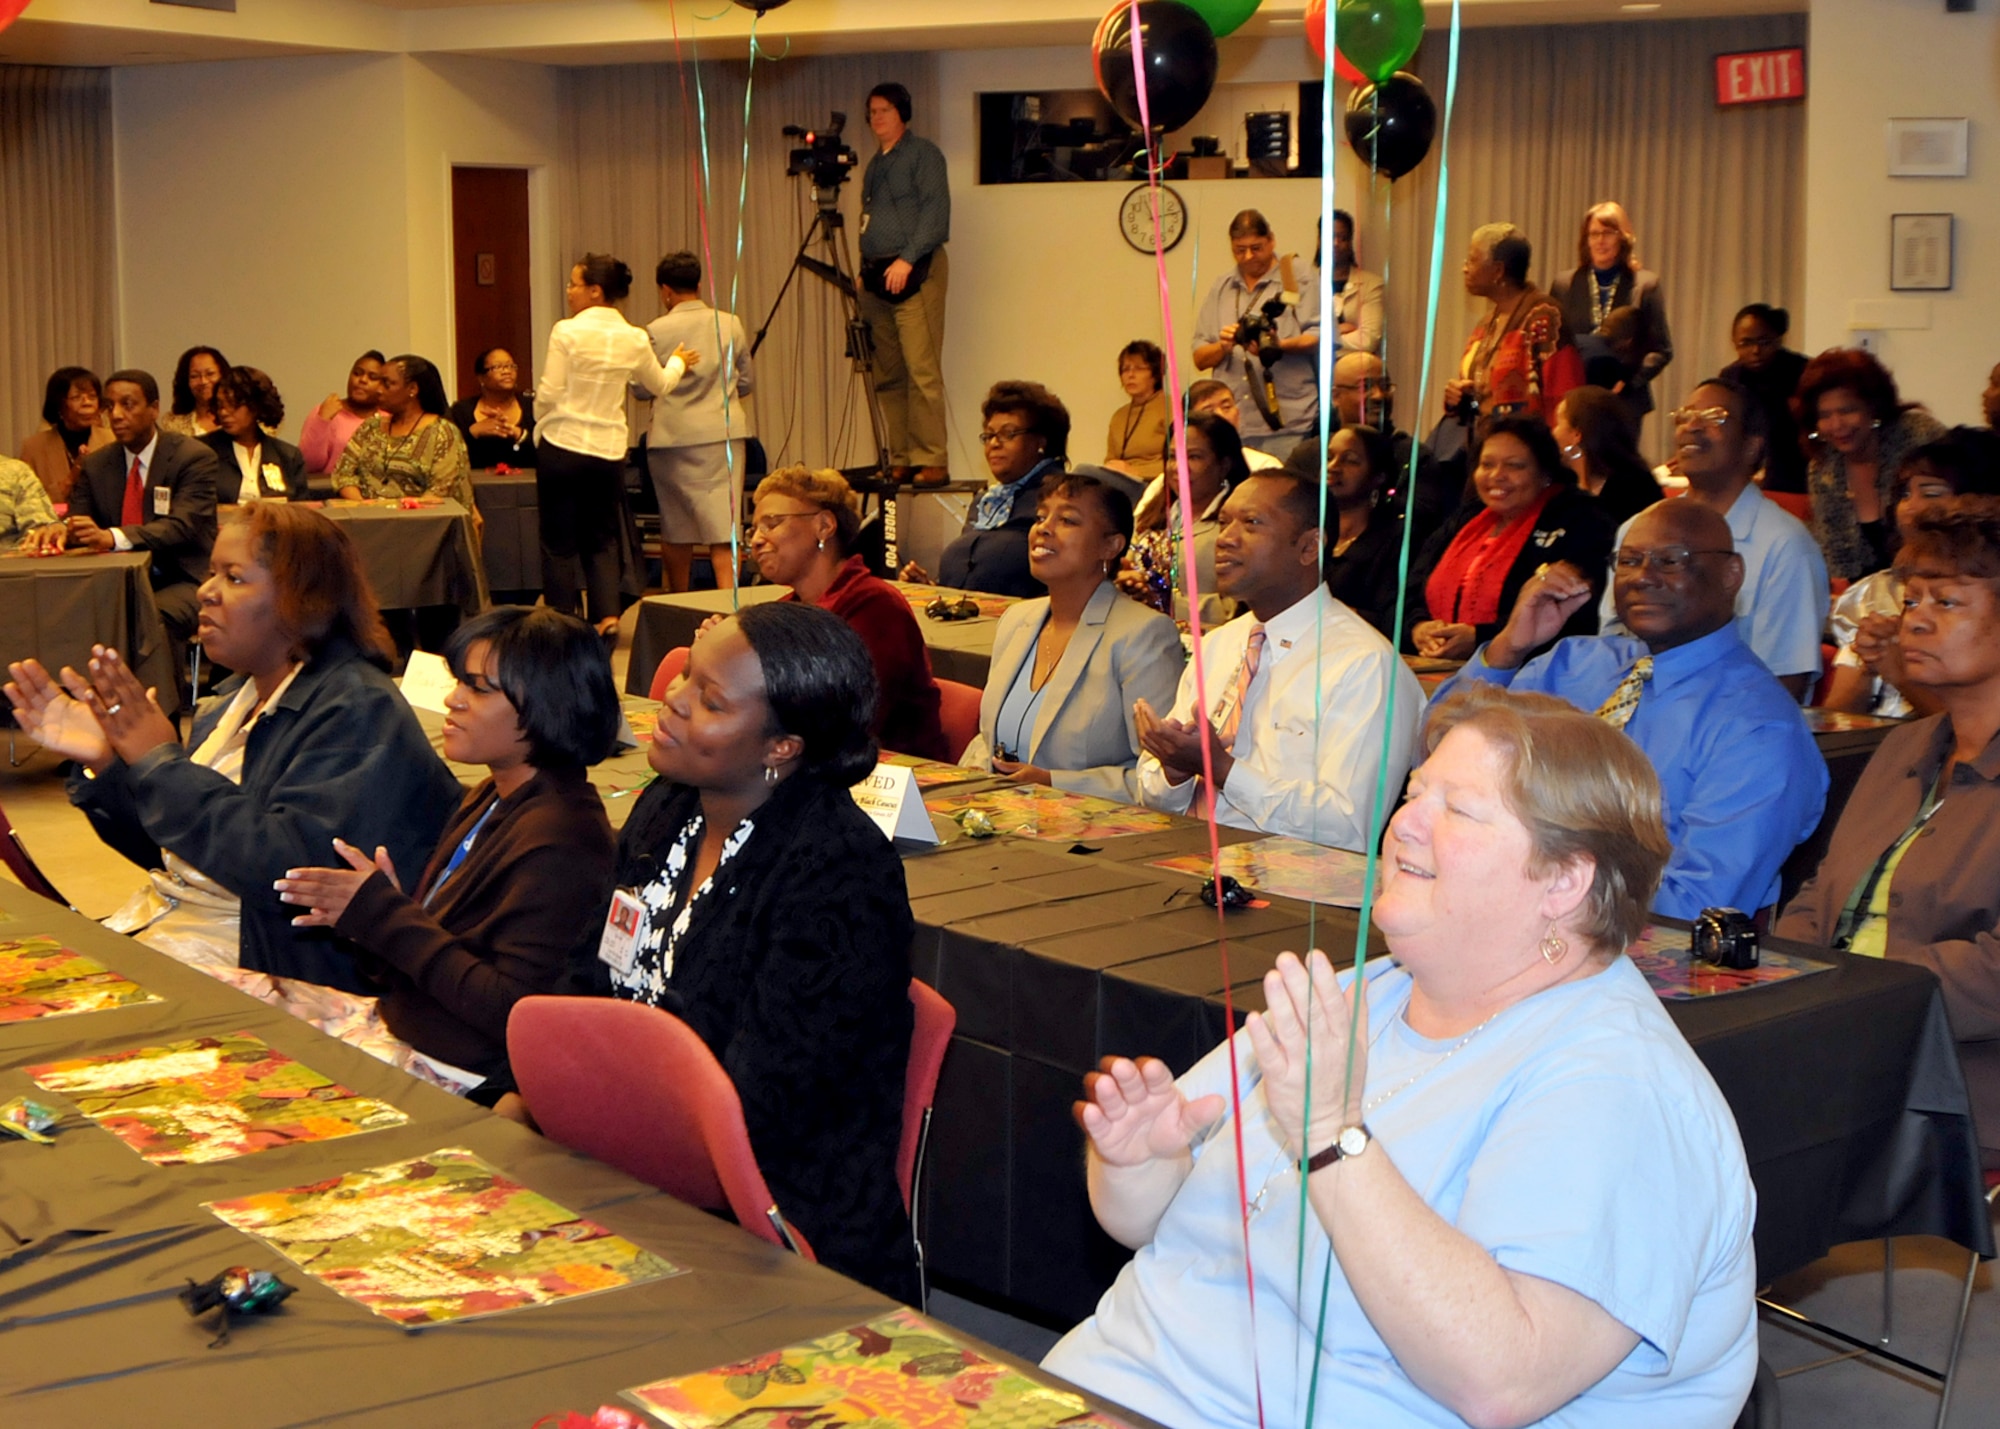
(154, 491)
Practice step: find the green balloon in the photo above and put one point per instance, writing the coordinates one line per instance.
(1224, 16)
(1379, 36)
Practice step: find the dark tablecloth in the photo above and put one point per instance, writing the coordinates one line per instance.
(1845, 1084)
(416, 558)
(511, 543)
(54, 608)
(94, 1243)
(960, 649)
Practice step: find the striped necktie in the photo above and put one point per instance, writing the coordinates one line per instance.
(1232, 719)
(1617, 711)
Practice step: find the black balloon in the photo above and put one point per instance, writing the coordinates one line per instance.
(1391, 124)
(1179, 56)
(760, 6)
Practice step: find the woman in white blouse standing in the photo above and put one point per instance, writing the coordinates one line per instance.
(581, 436)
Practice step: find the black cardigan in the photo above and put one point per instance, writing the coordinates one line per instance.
(1571, 528)
(996, 561)
(338, 755)
(795, 970)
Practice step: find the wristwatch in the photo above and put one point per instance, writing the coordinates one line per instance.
(1352, 1141)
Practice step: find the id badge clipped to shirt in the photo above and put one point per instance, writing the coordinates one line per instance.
(624, 926)
(163, 500)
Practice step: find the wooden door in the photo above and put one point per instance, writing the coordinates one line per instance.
(489, 244)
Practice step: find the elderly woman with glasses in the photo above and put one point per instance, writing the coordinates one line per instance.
(498, 427)
(1025, 434)
(1439, 1205)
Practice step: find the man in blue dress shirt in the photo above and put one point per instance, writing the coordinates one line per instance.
(1742, 780)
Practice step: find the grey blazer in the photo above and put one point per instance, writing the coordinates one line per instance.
(1084, 734)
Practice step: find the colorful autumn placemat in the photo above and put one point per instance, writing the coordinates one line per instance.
(211, 1099)
(1824, 721)
(1053, 815)
(440, 1237)
(1284, 868)
(900, 1371)
(39, 977)
(1664, 955)
(930, 774)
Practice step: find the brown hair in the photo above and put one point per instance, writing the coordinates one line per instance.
(1959, 536)
(1613, 214)
(827, 489)
(1582, 790)
(1860, 373)
(321, 592)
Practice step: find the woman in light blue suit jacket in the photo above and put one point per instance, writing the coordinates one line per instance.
(1067, 667)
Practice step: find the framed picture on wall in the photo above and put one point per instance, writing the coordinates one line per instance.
(1927, 148)
(1920, 252)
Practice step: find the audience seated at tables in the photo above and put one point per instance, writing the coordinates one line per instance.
(1068, 667)
(309, 741)
(1155, 570)
(1366, 533)
(777, 922)
(1867, 671)
(1858, 433)
(511, 899)
(1599, 445)
(1719, 442)
(1528, 1203)
(1913, 871)
(1530, 514)
(1025, 435)
(73, 426)
(1141, 435)
(154, 492)
(1299, 689)
(330, 426)
(498, 427)
(1770, 371)
(25, 507)
(253, 465)
(192, 412)
(1742, 780)
(409, 446)
(803, 535)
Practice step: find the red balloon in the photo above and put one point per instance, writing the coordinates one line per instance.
(10, 10)
(1316, 37)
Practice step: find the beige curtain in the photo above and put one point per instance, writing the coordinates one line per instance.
(1554, 118)
(56, 285)
(631, 147)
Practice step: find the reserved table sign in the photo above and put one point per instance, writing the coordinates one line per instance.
(890, 797)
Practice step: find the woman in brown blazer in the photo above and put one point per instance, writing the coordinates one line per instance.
(519, 881)
(74, 426)
(1913, 872)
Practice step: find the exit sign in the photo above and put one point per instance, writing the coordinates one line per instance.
(1760, 76)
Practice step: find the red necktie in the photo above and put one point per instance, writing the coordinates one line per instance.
(134, 513)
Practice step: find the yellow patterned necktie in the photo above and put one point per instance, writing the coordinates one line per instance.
(1617, 711)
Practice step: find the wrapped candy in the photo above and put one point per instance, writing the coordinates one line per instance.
(29, 1120)
(237, 1290)
(976, 823)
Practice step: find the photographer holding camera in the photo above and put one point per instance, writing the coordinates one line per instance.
(905, 220)
(1257, 332)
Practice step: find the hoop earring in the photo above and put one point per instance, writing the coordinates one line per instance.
(1553, 949)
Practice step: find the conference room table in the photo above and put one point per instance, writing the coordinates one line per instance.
(95, 1244)
(415, 555)
(54, 608)
(960, 649)
(510, 544)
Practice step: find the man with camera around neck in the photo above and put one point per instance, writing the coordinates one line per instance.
(1256, 321)
(905, 220)
(1740, 777)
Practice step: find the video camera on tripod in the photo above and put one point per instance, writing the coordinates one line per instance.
(825, 156)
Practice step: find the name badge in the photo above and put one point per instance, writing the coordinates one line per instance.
(163, 500)
(623, 927)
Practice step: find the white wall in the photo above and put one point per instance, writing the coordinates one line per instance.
(1870, 61)
(1044, 287)
(295, 212)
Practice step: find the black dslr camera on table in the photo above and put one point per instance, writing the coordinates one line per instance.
(1725, 937)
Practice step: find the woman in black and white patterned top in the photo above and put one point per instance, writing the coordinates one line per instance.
(778, 923)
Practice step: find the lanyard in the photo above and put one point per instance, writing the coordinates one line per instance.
(1856, 907)
(458, 854)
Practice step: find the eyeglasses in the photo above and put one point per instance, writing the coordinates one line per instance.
(1667, 560)
(1759, 343)
(501, 367)
(768, 525)
(1001, 434)
(1713, 418)
(1366, 385)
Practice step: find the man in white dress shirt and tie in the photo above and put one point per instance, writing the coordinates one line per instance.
(1299, 689)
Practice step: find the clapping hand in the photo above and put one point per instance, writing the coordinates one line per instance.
(1303, 1001)
(1177, 745)
(129, 713)
(326, 892)
(55, 721)
(1133, 1113)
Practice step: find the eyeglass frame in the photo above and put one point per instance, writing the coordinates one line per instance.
(1004, 434)
(1667, 560)
(1713, 418)
(768, 525)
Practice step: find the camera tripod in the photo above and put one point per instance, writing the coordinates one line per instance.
(835, 267)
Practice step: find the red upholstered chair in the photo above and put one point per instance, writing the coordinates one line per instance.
(931, 1034)
(14, 854)
(671, 664)
(1796, 502)
(636, 1088)
(958, 712)
(1826, 656)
